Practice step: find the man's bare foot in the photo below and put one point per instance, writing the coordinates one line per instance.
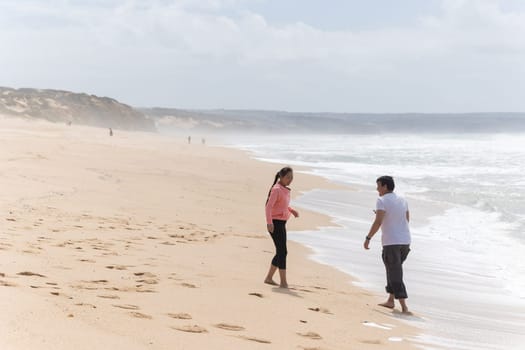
(387, 305)
(406, 312)
(272, 282)
(283, 285)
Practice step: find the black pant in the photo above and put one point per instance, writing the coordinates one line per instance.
(393, 258)
(279, 239)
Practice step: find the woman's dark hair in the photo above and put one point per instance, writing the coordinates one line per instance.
(388, 181)
(280, 174)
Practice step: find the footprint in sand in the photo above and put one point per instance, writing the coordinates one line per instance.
(108, 296)
(138, 289)
(86, 304)
(257, 340)
(148, 281)
(191, 329)
(80, 286)
(140, 315)
(257, 295)
(320, 309)
(145, 274)
(188, 285)
(311, 335)
(127, 306)
(87, 260)
(180, 316)
(97, 281)
(5, 246)
(229, 327)
(28, 273)
(6, 284)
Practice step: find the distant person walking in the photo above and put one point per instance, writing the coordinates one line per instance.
(392, 216)
(278, 210)
(110, 132)
(189, 140)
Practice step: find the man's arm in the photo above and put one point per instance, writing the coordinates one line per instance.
(380, 214)
(408, 216)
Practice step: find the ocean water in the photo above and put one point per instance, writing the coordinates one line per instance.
(466, 273)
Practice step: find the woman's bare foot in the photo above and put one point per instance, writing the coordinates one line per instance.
(283, 285)
(272, 282)
(387, 304)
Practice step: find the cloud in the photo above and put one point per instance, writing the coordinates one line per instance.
(479, 24)
(164, 43)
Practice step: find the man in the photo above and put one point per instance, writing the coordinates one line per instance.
(392, 217)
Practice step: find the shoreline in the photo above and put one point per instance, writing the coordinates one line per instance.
(434, 320)
(143, 241)
(309, 253)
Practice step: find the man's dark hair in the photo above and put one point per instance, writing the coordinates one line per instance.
(388, 181)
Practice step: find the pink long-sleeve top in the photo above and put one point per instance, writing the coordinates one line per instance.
(278, 204)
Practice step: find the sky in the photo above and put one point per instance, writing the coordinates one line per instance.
(429, 56)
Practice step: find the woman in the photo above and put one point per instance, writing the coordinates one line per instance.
(278, 210)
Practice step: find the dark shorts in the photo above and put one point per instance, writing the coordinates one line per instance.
(393, 258)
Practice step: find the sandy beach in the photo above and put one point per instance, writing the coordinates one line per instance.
(141, 241)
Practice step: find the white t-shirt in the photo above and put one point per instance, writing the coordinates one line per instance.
(394, 227)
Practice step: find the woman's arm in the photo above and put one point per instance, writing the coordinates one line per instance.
(274, 195)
